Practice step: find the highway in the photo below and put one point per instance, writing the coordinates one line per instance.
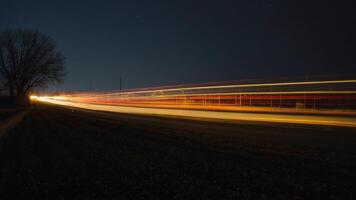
(214, 115)
(323, 102)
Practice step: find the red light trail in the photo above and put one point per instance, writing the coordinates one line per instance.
(324, 98)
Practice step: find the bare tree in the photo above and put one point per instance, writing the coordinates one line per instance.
(28, 60)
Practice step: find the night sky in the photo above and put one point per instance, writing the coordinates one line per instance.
(153, 43)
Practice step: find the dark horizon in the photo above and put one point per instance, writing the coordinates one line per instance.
(178, 42)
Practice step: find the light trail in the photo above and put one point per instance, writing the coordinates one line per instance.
(206, 115)
(336, 97)
(243, 93)
(243, 86)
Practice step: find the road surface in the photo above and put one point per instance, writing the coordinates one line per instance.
(60, 153)
(332, 120)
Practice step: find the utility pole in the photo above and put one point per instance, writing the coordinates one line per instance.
(119, 95)
(120, 83)
(90, 85)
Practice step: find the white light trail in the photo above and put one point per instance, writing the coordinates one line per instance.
(216, 115)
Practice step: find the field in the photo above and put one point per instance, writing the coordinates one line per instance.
(6, 113)
(60, 153)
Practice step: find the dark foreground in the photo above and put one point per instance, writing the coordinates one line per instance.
(58, 153)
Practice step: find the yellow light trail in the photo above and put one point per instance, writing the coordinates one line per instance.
(212, 115)
(242, 85)
(233, 93)
(203, 103)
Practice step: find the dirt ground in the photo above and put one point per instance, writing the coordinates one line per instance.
(59, 153)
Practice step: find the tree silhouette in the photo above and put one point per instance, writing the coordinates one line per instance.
(28, 60)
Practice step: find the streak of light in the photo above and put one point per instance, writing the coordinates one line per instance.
(238, 93)
(244, 85)
(206, 115)
(33, 97)
(337, 97)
